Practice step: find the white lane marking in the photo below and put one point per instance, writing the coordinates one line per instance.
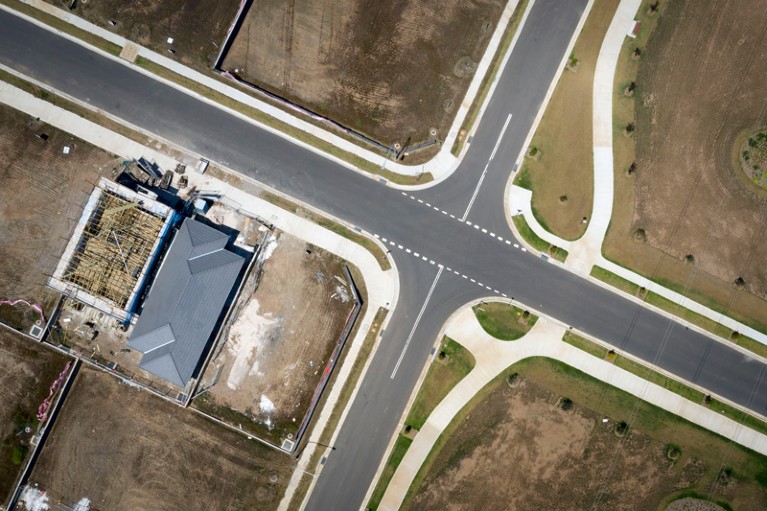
(480, 284)
(444, 212)
(467, 222)
(436, 208)
(416, 254)
(500, 239)
(504, 295)
(524, 249)
(415, 325)
(427, 204)
(392, 243)
(419, 200)
(488, 288)
(484, 172)
(516, 245)
(431, 262)
(399, 247)
(498, 142)
(376, 235)
(508, 242)
(425, 258)
(449, 269)
(408, 250)
(484, 231)
(476, 226)
(474, 281)
(492, 234)
(456, 272)
(413, 198)
(384, 240)
(404, 193)
(464, 276)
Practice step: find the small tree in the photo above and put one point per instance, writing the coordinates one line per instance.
(630, 127)
(566, 404)
(622, 427)
(740, 282)
(637, 53)
(632, 168)
(689, 258)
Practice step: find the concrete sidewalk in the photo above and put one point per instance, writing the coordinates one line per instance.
(544, 340)
(586, 252)
(382, 286)
(440, 167)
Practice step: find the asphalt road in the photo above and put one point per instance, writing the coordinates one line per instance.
(398, 217)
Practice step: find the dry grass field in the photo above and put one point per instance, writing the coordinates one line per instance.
(197, 27)
(27, 370)
(688, 217)
(524, 446)
(390, 70)
(123, 448)
(42, 191)
(561, 172)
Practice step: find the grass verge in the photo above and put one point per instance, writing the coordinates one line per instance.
(543, 246)
(484, 87)
(684, 313)
(444, 373)
(503, 320)
(668, 383)
(612, 402)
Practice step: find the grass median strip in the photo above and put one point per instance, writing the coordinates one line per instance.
(684, 313)
(537, 243)
(668, 383)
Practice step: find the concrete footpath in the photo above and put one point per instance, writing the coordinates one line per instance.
(382, 286)
(440, 167)
(586, 252)
(544, 340)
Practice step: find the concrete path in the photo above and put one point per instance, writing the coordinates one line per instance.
(544, 340)
(586, 252)
(382, 286)
(441, 166)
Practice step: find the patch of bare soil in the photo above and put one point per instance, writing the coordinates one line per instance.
(27, 370)
(42, 191)
(280, 343)
(519, 449)
(691, 504)
(197, 27)
(700, 84)
(125, 449)
(390, 70)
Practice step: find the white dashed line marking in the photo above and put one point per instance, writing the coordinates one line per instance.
(508, 242)
(431, 262)
(504, 295)
(419, 200)
(488, 288)
(391, 243)
(376, 235)
(474, 281)
(425, 258)
(516, 245)
(500, 239)
(464, 276)
(384, 240)
(408, 250)
(416, 254)
(468, 223)
(444, 212)
(456, 272)
(452, 216)
(399, 247)
(524, 249)
(492, 234)
(484, 231)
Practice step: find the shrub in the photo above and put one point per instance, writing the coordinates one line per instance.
(566, 403)
(689, 258)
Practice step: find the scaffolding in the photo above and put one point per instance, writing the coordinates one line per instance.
(112, 249)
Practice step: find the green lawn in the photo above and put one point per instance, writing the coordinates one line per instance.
(543, 246)
(584, 344)
(444, 374)
(398, 452)
(504, 321)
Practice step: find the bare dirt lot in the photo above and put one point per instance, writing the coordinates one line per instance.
(125, 449)
(42, 191)
(27, 370)
(197, 27)
(687, 215)
(276, 350)
(390, 70)
(519, 448)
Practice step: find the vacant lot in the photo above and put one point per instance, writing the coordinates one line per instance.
(42, 191)
(561, 168)
(197, 27)
(541, 443)
(27, 371)
(687, 216)
(123, 448)
(390, 70)
(280, 343)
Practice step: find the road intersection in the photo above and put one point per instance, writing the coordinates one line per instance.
(451, 242)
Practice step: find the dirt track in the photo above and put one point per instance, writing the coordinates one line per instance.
(42, 191)
(27, 371)
(391, 70)
(125, 449)
(700, 84)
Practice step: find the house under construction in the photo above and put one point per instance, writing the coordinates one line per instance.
(111, 251)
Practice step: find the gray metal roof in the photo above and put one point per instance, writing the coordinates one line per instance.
(185, 301)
